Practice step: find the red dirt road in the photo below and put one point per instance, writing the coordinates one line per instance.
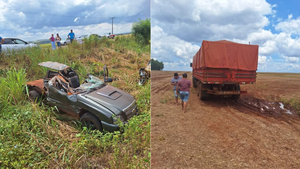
(224, 133)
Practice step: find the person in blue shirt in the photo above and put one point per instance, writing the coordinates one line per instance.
(174, 82)
(71, 35)
(1, 41)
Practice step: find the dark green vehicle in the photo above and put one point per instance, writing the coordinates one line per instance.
(96, 104)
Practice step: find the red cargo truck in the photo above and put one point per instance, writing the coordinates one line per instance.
(219, 67)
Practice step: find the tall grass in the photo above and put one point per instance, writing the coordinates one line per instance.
(35, 136)
(12, 87)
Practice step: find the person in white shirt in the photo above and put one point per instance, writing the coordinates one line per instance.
(57, 40)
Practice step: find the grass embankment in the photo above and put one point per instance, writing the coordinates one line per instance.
(34, 136)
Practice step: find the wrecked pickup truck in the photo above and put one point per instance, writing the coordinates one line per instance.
(97, 105)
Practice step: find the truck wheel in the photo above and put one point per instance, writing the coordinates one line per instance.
(34, 95)
(91, 121)
(237, 88)
(202, 94)
(194, 82)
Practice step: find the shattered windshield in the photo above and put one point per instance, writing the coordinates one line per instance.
(96, 83)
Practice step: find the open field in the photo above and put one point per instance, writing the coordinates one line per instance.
(252, 132)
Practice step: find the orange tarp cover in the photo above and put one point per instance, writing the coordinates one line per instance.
(226, 54)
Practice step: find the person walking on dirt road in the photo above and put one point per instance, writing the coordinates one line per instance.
(184, 86)
(174, 82)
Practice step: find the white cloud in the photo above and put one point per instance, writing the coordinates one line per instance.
(211, 19)
(262, 59)
(165, 46)
(240, 21)
(267, 48)
(17, 18)
(78, 30)
(291, 59)
(76, 19)
(290, 26)
(287, 45)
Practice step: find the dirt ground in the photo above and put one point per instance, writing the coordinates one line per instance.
(255, 131)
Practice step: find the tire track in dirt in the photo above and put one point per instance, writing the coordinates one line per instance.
(163, 89)
(160, 78)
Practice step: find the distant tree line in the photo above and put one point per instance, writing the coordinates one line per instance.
(156, 65)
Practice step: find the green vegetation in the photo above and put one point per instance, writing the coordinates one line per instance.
(156, 65)
(141, 31)
(47, 45)
(294, 102)
(37, 136)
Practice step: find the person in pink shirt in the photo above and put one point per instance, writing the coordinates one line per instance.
(184, 94)
(52, 39)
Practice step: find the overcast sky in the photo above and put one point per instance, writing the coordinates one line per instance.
(178, 28)
(38, 19)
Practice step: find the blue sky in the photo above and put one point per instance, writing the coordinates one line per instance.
(38, 19)
(274, 25)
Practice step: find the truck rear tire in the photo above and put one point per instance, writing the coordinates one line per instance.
(194, 82)
(237, 88)
(202, 93)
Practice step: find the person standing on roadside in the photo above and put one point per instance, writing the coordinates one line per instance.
(174, 82)
(57, 40)
(184, 86)
(71, 35)
(1, 42)
(52, 39)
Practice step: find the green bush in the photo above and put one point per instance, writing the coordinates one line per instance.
(141, 31)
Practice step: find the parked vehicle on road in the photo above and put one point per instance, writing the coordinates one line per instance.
(97, 105)
(109, 35)
(80, 39)
(219, 67)
(65, 41)
(14, 44)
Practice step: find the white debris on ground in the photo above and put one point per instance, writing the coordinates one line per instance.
(282, 107)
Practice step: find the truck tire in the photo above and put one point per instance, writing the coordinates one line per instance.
(237, 88)
(194, 82)
(91, 121)
(202, 93)
(34, 95)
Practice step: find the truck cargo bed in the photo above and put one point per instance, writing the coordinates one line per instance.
(224, 76)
